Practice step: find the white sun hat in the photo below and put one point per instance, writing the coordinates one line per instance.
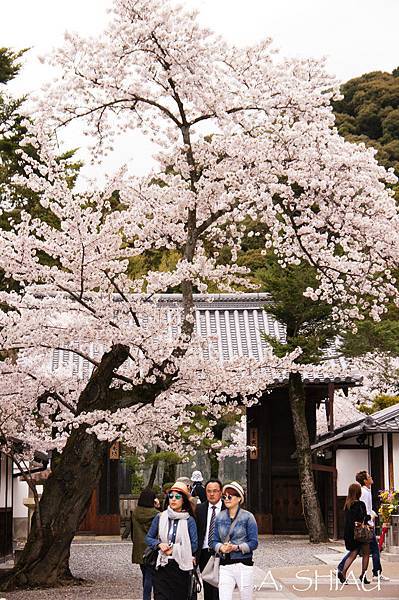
(197, 476)
(234, 485)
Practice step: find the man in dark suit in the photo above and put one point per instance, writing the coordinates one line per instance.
(206, 515)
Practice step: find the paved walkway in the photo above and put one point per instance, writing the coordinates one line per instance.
(285, 569)
(318, 582)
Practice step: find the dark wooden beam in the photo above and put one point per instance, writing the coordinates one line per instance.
(390, 461)
(335, 498)
(331, 389)
(353, 447)
(326, 468)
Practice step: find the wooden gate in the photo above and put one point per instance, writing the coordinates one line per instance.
(287, 506)
(102, 517)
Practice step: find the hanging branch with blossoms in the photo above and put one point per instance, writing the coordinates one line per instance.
(273, 153)
(237, 444)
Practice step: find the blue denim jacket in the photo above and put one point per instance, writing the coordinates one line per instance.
(152, 539)
(244, 534)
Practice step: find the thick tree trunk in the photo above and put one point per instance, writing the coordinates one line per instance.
(214, 463)
(66, 497)
(154, 469)
(66, 494)
(153, 475)
(310, 500)
(169, 473)
(217, 430)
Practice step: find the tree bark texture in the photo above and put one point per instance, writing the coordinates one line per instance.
(169, 473)
(154, 469)
(310, 501)
(214, 464)
(66, 495)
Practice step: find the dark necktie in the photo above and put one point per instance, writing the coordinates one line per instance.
(212, 526)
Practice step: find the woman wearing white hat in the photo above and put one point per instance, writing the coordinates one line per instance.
(235, 538)
(174, 534)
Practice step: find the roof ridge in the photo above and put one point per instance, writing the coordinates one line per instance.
(223, 297)
(388, 411)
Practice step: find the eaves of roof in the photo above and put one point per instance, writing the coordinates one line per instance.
(384, 421)
(231, 325)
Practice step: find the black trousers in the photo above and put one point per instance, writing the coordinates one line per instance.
(210, 592)
(171, 583)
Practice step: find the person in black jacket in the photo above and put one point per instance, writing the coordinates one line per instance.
(355, 512)
(197, 488)
(206, 516)
(139, 524)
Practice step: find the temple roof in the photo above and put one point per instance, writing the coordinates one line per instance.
(235, 325)
(383, 421)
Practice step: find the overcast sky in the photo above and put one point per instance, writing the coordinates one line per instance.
(356, 36)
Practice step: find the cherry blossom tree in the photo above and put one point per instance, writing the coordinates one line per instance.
(241, 134)
(75, 295)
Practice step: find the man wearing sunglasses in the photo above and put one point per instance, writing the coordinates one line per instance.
(206, 518)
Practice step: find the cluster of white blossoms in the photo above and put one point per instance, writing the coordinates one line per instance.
(237, 445)
(380, 375)
(243, 135)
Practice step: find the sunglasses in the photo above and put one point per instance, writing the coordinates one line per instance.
(172, 495)
(229, 496)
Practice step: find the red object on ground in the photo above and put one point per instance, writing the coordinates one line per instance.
(382, 538)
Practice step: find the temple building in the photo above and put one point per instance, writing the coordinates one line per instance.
(236, 325)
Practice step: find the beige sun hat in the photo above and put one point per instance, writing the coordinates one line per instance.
(181, 487)
(234, 485)
(185, 480)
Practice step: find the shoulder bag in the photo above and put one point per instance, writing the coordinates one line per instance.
(362, 533)
(210, 574)
(150, 557)
(195, 585)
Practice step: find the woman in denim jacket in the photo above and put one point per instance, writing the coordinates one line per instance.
(235, 549)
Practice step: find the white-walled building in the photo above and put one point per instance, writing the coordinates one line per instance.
(370, 443)
(20, 516)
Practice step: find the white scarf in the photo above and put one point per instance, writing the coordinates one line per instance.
(181, 551)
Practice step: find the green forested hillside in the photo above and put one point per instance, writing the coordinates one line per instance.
(369, 113)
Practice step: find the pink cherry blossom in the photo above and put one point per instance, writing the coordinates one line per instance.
(241, 133)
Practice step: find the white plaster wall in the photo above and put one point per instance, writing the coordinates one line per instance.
(21, 491)
(3, 483)
(348, 463)
(386, 469)
(395, 445)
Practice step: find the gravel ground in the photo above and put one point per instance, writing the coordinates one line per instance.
(281, 551)
(112, 576)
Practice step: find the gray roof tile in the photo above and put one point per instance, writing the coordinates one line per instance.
(239, 323)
